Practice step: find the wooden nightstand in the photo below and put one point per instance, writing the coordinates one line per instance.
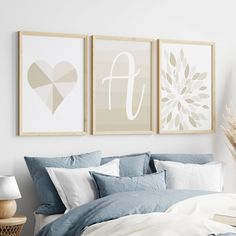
(12, 226)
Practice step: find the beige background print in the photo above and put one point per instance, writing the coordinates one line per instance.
(128, 106)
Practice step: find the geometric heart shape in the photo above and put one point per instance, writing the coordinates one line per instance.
(52, 84)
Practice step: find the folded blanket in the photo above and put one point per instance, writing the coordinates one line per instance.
(227, 234)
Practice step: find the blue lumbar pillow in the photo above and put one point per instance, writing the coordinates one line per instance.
(108, 185)
(132, 164)
(50, 202)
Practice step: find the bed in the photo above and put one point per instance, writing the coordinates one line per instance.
(138, 201)
(129, 214)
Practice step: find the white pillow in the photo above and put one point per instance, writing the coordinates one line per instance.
(207, 177)
(75, 186)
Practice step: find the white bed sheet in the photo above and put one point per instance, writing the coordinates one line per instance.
(42, 220)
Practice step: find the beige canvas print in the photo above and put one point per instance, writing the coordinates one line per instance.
(122, 85)
(186, 87)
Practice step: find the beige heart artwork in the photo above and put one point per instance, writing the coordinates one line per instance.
(52, 84)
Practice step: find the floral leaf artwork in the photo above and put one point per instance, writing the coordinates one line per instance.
(185, 98)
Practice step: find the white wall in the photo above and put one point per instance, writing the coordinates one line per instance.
(208, 20)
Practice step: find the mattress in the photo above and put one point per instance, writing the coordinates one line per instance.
(42, 220)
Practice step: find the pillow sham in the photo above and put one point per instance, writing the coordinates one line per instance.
(132, 164)
(76, 186)
(182, 157)
(207, 177)
(50, 202)
(108, 185)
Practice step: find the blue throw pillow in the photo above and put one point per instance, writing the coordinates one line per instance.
(108, 185)
(50, 202)
(132, 164)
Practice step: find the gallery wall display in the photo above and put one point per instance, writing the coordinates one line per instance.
(52, 84)
(122, 80)
(186, 87)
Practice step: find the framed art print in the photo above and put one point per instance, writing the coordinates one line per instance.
(122, 85)
(52, 84)
(186, 87)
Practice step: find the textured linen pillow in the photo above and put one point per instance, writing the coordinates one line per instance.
(181, 157)
(108, 185)
(207, 177)
(50, 202)
(76, 186)
(132, 164)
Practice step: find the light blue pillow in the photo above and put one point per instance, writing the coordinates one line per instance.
(132, 164)
(108, 185)
(50, 202)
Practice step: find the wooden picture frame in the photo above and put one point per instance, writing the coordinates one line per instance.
(52, 84)
(106, 55)
(190, 111)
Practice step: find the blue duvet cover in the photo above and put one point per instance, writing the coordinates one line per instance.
(113, 207)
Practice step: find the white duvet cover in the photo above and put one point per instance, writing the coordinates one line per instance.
(191, 217)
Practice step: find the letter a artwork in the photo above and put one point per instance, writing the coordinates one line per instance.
(122, 85)
(130, 77)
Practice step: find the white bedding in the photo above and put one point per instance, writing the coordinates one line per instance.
(189, 217)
